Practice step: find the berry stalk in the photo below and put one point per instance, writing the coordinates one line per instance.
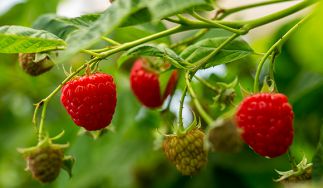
(274, 47)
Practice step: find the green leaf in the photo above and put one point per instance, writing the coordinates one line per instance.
(131, 33)
(62, 26)
(233, 51)
(152, 50)
(18, 39)
(114, 16)
(318, 160)
(163, 8)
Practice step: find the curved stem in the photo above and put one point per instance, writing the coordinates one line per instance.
(197, 103)
(113, 42)
(92, 53)
(274, 47)
(217, 24)
(42, 119)
(207, 84)
(180, 111)
(227, 12)
(278, 15)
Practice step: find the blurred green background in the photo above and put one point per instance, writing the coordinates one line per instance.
(125, 156)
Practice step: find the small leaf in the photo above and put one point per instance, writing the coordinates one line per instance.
(68, 163)
(235, 50)
(163, 8)
(152, 50)
(18, 39)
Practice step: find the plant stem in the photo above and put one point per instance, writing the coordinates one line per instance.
(94, 54)
(274, 47)
(278, 15)
(180, 111)
(227, 12)
(207, 84)
(215, 23)
(197, 103)
(128, 45)
(113, 42)
(42, 119)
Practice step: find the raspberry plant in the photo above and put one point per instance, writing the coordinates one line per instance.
(223, 118)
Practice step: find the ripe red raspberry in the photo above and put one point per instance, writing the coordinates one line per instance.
(146, 87)
(90, 100)
(267, 123)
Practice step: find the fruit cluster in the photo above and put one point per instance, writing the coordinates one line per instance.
(264, 121)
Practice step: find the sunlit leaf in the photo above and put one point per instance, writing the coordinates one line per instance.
(233, 51)
(18, 39)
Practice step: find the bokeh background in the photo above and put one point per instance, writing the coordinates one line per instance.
(128, 155)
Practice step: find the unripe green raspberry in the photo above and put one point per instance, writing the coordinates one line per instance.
(186, 151)
(28, 64)
(45, 163)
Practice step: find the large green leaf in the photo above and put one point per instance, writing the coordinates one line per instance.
(233, 51)
(18, 39)
(152, 50)
(163, 8)
(114, 16)
(62, 26)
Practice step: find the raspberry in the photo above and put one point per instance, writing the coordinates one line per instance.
(145, 85)
(90, 100)
(33, 68)
(224, 136)
(186, 151)
(267, 123)
(45, 163)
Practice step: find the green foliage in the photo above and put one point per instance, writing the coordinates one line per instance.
(18, 39)
(234, 51)
(125, 155)
(152, 50)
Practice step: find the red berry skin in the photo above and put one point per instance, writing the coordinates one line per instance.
(90, 100)
(145, 85)
(267, 123)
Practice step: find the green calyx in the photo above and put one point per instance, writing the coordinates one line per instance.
(195, 124)
(301, 173)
